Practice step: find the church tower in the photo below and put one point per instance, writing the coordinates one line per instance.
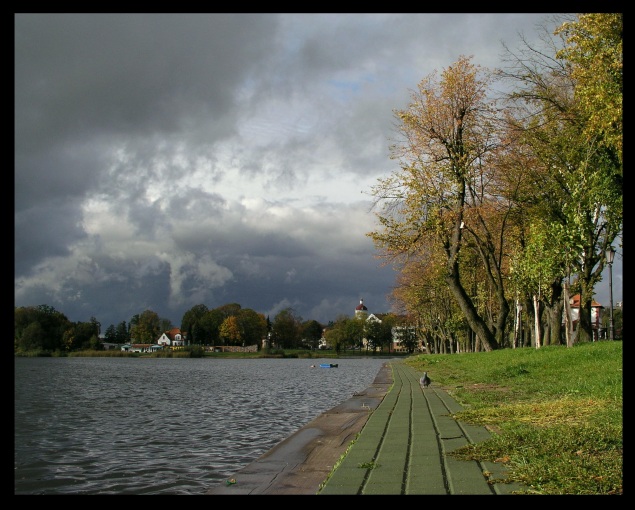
(361, 309)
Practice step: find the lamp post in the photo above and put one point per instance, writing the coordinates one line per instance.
(610, 254)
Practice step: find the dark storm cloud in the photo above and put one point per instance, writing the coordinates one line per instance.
(168, 160)
(34, 243)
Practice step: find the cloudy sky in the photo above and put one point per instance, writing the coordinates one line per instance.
(168, 160)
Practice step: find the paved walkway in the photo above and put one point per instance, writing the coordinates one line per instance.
(404, 447)
(393, 438)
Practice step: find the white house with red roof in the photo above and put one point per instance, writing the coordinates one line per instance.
(596, 315)
(174, 337)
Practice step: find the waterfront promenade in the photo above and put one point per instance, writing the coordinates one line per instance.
(394, 438)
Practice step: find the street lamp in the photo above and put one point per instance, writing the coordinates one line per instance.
(610, 254)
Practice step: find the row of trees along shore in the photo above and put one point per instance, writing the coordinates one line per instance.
(44, 328)
(508, 194)
(508, 201)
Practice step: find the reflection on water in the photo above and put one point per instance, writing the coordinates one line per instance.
(163, 426)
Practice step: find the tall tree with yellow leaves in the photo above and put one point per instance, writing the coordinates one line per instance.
(445, 194)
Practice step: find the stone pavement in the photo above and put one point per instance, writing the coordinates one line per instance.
(393, 438)
(404, 447)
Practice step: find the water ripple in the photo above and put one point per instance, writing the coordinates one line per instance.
(162, 426)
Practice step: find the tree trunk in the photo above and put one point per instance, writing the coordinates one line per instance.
(484, 335)
(537, 320)
(553, 315)
(517, 324)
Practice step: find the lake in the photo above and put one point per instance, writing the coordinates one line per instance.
(163, 425)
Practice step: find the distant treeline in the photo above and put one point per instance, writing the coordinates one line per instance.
(43, 328)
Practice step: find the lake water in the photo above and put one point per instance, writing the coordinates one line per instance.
(161, 425)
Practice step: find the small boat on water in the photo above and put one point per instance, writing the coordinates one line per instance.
(328, 365)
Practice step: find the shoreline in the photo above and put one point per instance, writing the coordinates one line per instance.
(300, 463)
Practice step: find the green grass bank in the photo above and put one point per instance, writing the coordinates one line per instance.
(555, 413)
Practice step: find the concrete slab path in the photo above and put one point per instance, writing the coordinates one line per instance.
(393, 438)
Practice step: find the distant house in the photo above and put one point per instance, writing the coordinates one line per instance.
(596, 315)
(398, 332)
(323, 344)
(140, 347)
(373, 318)
(173, 338)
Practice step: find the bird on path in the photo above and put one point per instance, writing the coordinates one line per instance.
(425, 380)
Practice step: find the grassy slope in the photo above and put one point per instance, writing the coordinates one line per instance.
(555, 412)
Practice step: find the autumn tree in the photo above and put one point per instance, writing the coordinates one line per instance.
(576, 146)
(423, 296)
(442, 194)
(230, 332)
(203, 326)
(532, 190)
(594, 49)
